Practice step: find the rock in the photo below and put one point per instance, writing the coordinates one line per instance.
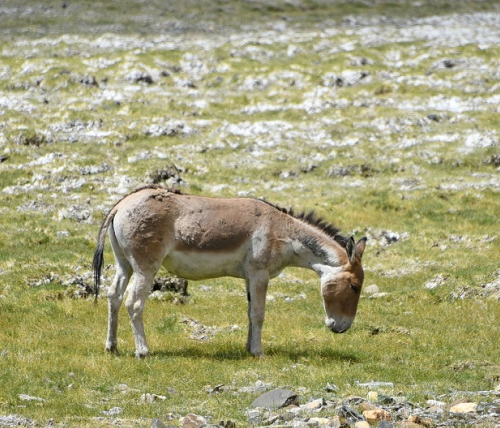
(376, 415)
(314, 405)
(362, 424)
(408, 424)
(371, 289)
(171, 283)
(463, 408)
(385, 424)
(192, 421)
(375, 385)
(436, 282)
(335, 422)
(378, 295)
(16, 421)
(331, 387)
(156, 423)
(276, 399)
(113, 411)
(319, 422)
(151, 398)
(425, 422)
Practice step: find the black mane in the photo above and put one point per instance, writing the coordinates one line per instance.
(312, 219)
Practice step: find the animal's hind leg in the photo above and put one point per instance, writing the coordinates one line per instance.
(115, 298)
(140, 288)
(249, 301)
(115, 294)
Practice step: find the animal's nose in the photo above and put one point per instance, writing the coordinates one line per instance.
(340, 326)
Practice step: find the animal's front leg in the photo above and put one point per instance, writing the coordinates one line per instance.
(257, 290)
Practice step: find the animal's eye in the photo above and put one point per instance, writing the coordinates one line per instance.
(355, 288)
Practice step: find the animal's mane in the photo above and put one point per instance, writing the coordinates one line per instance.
(312, 219)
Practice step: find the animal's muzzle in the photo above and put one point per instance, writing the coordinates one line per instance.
(339, 326)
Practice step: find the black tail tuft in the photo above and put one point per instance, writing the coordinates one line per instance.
(97, 264)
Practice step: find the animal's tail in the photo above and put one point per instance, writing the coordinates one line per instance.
(98, 261)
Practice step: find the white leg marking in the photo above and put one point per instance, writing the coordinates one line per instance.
(115, 298)
(136, 300)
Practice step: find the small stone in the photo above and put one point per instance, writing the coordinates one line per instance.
(463, 408)
(112, 412)
(409, 424)
(276, 399)
(371, 289)
(385, 424)
(193, 421)
(373, 396)
(319, 422)
(314, 405)
(335, 422)
(331, 387)
(379, 295)
(151, 398)
(375, 385)
(362, 424)
(156, 423)
(376, 415)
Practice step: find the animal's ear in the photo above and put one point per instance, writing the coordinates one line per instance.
(351, 249)
(360, 247)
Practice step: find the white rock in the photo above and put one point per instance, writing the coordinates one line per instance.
(371, 289)
(112, 412)
(464, 408)
(313, 405)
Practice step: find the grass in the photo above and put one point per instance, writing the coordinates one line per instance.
(248, 84)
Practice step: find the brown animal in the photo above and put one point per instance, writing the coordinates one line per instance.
(198, 237)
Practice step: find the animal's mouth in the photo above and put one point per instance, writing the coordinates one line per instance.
(340, 326)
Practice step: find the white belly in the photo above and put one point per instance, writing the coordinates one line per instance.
(203, 265)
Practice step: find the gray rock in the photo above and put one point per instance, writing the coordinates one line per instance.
(156, 423)
(276, 399)
(112, 412)
(16, 421)
(385, 424)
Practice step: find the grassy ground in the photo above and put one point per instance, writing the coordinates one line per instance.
(249, 98)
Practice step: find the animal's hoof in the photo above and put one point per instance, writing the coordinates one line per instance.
(258, 354)
(142, 355)
(112, 350)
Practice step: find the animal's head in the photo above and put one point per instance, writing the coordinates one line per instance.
(342, 287)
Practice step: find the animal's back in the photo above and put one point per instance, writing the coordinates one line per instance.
(192, 236)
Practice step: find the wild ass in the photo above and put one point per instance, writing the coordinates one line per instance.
(198, 237)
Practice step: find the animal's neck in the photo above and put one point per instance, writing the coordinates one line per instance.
(315, 250)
